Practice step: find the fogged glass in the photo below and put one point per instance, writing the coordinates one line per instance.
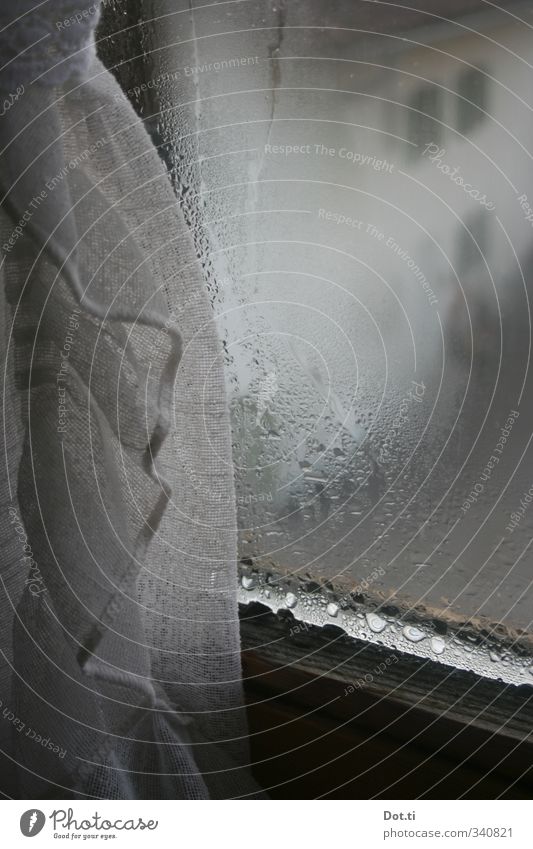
(359, 180)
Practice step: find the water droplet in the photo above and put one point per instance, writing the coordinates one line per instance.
(375, 623)
(248, 582)
(413, 634)
(291, 600)
(267, 593)
(332, 609)
(494, 657)
(438, 645)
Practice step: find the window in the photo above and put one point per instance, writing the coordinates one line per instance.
(473, 242)
(425, 116)
(381, 489)
(471, 100)
(358, 446)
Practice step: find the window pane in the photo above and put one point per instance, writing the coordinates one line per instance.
(472, 91)
(377, 360)
(426, 106)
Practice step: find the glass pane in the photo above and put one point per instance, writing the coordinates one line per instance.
(362, 209)
(472, 90)
(425, 117)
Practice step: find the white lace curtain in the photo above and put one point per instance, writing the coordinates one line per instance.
(120, 664)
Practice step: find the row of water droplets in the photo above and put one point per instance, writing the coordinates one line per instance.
(425, 638)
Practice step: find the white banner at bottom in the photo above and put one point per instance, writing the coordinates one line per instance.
(262, 824)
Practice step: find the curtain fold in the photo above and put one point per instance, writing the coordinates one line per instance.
(120, 655)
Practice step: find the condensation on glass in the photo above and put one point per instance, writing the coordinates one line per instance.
(359, 180)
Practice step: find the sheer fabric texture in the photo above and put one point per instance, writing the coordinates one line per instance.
(120, 662)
